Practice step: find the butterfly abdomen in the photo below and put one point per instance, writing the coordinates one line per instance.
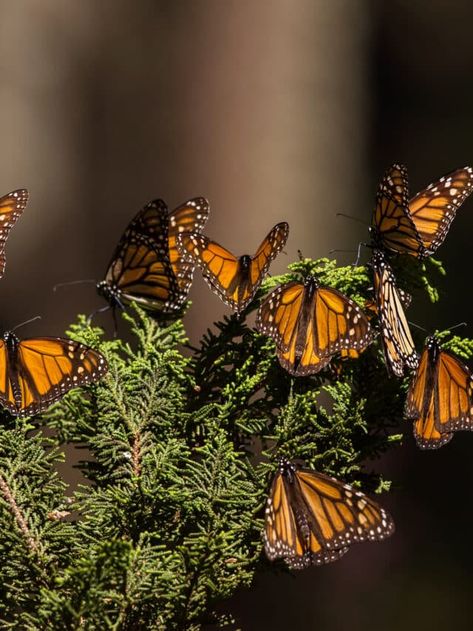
(11, 344)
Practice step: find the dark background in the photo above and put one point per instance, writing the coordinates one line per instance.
(273, 110)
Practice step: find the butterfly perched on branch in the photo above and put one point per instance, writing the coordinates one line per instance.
(417, 226)
(36, 372)
(310, 323)
(440, 397)
(312, 519)
(146, 267)
(234, 279)
(12, 206)
(398, 345)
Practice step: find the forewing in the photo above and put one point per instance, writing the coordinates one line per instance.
(398, 345)
(392, 223)
(50, 367)
(267, 252)
(454, 394)
(188, 217)
(433, 209)
(279, 314)
(11, 209)
(143, 274)
(220, 267)
(339, 323)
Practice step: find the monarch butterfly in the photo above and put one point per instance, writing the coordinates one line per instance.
(312, 519)
(417, 226)
(234, 280)
(440, 397)
(36, 372)
(310, 323)
(147, 267)
(398, 345)
(12, 206)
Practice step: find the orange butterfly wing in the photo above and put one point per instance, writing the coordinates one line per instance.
(312, 519)
(393, 228)
(310, 324)
(433, 209)
(44, 369)
(12, 206)
(440, 397)
(234, 280)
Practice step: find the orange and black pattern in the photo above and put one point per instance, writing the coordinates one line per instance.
(147, 267)
(312, 519)
(311, 323)
(440, 397)
(398, 345)
(417, 226)
(234, 279)
(36, 372)
(11, 209)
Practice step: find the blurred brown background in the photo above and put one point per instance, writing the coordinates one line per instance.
(273, 109)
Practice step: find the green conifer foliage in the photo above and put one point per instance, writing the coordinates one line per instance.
(178, 449)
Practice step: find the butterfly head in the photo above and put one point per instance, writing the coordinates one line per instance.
(287, 469)
(110, 293)
(433, 347)
(245, 262)
(11, 340)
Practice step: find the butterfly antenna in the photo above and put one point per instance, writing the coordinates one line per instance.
(456, 326)
(74, 282)
(94, 313)
(365, 223)
(417, 326)
(300, 255)
(38, 317)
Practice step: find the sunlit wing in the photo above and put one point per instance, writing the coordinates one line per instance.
(279, 314)
(312, 519)
(43, 371)
(398, 345)
(141, 274)
(12, 206)
(433, 209)
(219, 267)
(439, 400)
(234, 280)
(188, 217)
(270, 247)
(393, 227)
(310, 324)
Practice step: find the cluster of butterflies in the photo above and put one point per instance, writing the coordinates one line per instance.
(310, 517)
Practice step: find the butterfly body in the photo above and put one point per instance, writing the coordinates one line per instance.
(312, 519)
(36, 372)
(234, 279)
(310, 323)
(440, 397)
(398, 345)
(146, 267)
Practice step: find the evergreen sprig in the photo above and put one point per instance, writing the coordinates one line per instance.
(178, 450)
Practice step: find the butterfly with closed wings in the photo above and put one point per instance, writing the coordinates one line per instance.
(36, 372)
(398, 345)
(234, 279)
(440, 397)
(310, 323)
(146, 267)
(419, 225)
(313, 519)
